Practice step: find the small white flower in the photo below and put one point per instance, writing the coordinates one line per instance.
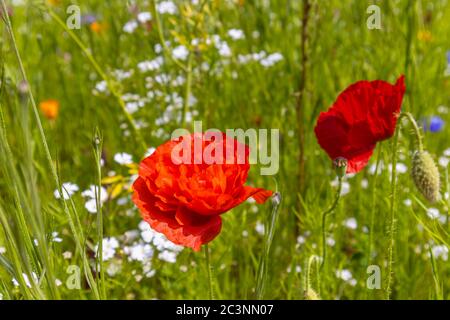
(236, 34)
(440, 252)
(148, 235)
(109, 246)
(224, 49)
(130, 26)
(132, 107)
(123, 158)
(67, 255)
(68, 189)
(91, 206)
(407, 202)
(113, 268)
(55, 237)
(433, 213)
(180, 52)
(158, 48)
(331, 242)
(168, 256)
(26, 280)
(301, 239)
(364, 183)
(260, 228)
(344, 274)
(139, 252)
(447, 152)
(148, 270)
(58, 282)
(345, 186)
(144, 17)
(2, 250)
(183, 268)
(150, 65)
(351, 223)
(101, 86)
(122, 75)
(373, 168)
(271, 59)
(91, 193)
(401, 168)
(166, 7)
(443, 161)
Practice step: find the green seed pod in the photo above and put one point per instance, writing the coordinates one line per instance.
(426, 175)
(310, 294)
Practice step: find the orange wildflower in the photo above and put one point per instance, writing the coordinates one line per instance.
(50, 108)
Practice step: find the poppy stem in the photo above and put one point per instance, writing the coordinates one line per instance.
(324, 221)
(374, 206)
(416, 128)
(269, 232)
(391, 229)
(210, 273)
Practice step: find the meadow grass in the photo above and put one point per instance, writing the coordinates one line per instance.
(112, 103)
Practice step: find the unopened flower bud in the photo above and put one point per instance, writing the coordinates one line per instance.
(276, 198)
(426, 175)
(340, 165)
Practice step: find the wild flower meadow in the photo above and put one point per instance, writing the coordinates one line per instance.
(235, 149)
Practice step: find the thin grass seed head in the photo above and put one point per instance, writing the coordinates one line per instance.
(426, 175)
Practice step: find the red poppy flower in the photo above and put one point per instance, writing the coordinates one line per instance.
(365, 113)
(184, 200)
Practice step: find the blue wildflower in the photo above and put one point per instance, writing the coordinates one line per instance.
(436, 124)
(433, 124)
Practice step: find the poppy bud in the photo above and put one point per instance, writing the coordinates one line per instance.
(276, 198)
(310, 294)
(340, 165)
(426, 175)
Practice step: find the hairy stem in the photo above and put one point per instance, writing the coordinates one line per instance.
(210, 273)
(324, 221)
(392, 224)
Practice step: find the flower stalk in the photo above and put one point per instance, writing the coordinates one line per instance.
(264, 260)
(324, 220)
(210, 273)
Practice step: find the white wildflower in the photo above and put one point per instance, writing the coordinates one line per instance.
(168, 256)
(68, 189)
(433, 213)
(180, 52)
(166, 7)
(130, 26)
(260, 228)
(236, 34)
(109, 246)
(271, 59)
(123, 158)
(144, 17)
(351, 223)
